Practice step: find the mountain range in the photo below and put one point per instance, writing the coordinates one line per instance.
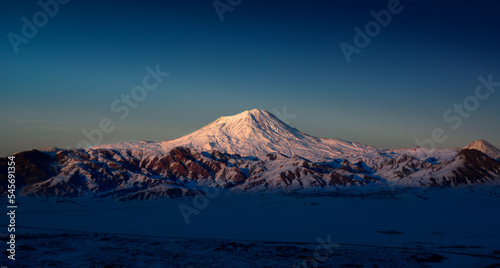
(250, 151)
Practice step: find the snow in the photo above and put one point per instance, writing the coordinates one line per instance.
(301, 162)
(253, 133)
(256, 133)
(484, 147)
(268, 229)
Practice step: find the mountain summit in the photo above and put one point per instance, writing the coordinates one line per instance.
(485, 147)
(257, 133)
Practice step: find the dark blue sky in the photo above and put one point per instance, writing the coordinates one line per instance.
(265, 55)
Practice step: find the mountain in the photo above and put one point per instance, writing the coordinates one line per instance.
(258, 133)
(255, 133)
(251, 151)
(485, 147)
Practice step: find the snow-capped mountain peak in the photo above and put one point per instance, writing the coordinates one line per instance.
(252, 123)
(257, 133)
(485, 147)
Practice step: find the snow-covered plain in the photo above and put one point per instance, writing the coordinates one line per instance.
(399, 227)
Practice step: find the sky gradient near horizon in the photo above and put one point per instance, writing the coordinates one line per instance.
(264, 55)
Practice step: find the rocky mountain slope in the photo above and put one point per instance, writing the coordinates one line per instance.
(251, 151)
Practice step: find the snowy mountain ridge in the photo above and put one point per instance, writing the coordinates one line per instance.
(252, 150)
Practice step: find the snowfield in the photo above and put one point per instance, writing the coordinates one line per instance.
(103, 250)
(402, 227)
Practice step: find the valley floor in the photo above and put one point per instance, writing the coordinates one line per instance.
(455, 227)
(103, 250)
